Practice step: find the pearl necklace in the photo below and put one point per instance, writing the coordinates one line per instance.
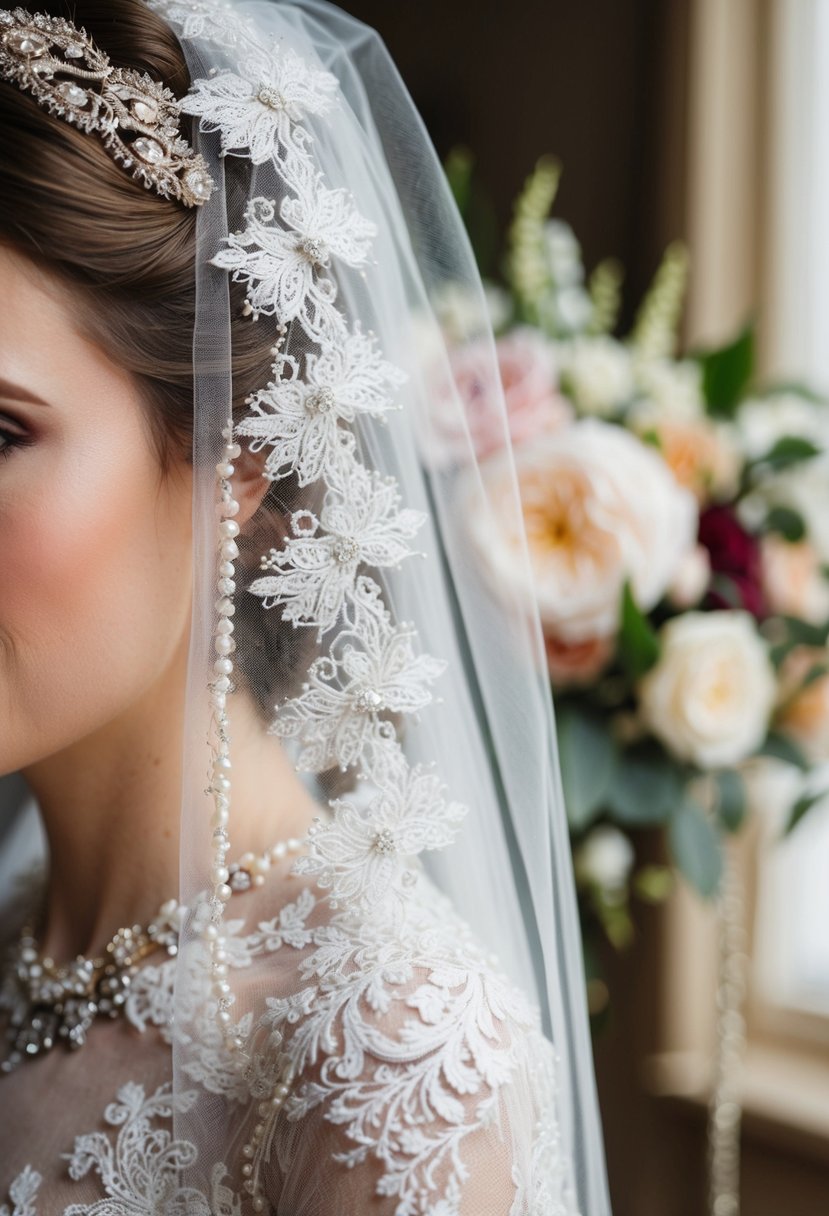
(49, 1003)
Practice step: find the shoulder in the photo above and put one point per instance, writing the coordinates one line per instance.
(408, 1060)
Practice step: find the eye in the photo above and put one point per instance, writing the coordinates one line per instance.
(10, 439)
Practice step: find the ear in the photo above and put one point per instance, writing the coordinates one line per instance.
(249, 484)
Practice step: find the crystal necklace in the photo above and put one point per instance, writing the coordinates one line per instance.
(50, 1003)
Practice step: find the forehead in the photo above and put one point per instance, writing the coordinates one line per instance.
(41, 346)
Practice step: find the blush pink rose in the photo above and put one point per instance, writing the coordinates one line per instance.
(526, 376)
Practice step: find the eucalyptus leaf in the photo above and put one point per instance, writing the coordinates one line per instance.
(802, 807)
(646, 789)
(779, 747)
(588, 753)
(696, 848)
(731, 805)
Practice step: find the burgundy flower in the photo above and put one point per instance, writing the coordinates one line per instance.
(735, 557)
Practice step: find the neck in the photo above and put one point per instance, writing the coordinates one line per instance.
(110, 805)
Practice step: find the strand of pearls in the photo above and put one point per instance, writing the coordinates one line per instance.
(252, 1151)
(725, 1112)
(224, 645)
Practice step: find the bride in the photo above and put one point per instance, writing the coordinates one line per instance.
(287, 909)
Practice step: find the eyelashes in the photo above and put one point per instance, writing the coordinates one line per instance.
(10, 440)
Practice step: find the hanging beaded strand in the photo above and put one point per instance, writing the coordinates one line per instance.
(223, 645)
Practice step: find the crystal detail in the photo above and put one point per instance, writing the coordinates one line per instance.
(145, 111)
(320, 402)
(384, 842)
(367, 700)
(74, 51)
(239, 879)
(346, 549)
(26, 44)
(314, 249)
(199, 184)
(150, 150)
(270, 97)
(74, 94)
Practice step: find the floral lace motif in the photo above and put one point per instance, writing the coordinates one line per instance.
(400, 1033)
(316, 572)
(22, 1193)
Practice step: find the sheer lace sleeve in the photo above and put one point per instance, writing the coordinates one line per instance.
(420, 1083)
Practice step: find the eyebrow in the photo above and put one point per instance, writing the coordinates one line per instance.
(17, 392)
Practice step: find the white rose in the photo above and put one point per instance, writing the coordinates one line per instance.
(762, 421)
(673, 389)
(600, 507)
(600, 374)
(691, 580)
(711, 694)
(605, 859)
(805, 488)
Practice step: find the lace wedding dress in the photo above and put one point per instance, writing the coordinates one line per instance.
(406, 1044)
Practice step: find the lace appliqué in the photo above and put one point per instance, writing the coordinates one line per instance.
(282, 265)
(141, 1171)
(340, 717)
(256, 116)
(300, 418)
(362, 854)
(22, 1193)
(316, 569)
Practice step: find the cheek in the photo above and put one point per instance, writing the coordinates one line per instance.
(94, 598)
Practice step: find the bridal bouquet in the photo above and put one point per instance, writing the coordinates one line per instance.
(678, 523)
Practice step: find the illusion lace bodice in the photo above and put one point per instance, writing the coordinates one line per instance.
(418, 1081)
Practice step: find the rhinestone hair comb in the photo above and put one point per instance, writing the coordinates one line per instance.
(136, 117)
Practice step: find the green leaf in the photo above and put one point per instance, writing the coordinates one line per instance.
(787, 522)
(788, 450)
(587, 752)
(638, 642)
(779, 747)
(726, 374)
(804, 633)
(696, 847)
(646, 789)
(731, 805)
(791, 388)
(803, 805)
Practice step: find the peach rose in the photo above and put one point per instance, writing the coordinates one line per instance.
(793, 582)
(701, 454)
(599, 507)
(691, 580)
(804, 712)
(572, 664)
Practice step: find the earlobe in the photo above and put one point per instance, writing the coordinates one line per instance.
(249, 484)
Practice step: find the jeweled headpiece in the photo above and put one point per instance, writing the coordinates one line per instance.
(136, 118)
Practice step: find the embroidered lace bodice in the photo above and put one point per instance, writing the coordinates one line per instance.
(419, 1080)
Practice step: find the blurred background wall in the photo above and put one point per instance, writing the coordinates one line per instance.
(672, 119)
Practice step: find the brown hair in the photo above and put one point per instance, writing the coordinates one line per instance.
(68, 206)
(127, 258)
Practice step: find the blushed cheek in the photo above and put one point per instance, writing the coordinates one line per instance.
(94, 595)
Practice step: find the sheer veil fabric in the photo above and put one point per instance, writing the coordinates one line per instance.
(398, 1024)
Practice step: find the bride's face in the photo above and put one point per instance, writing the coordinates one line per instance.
(94, 537)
